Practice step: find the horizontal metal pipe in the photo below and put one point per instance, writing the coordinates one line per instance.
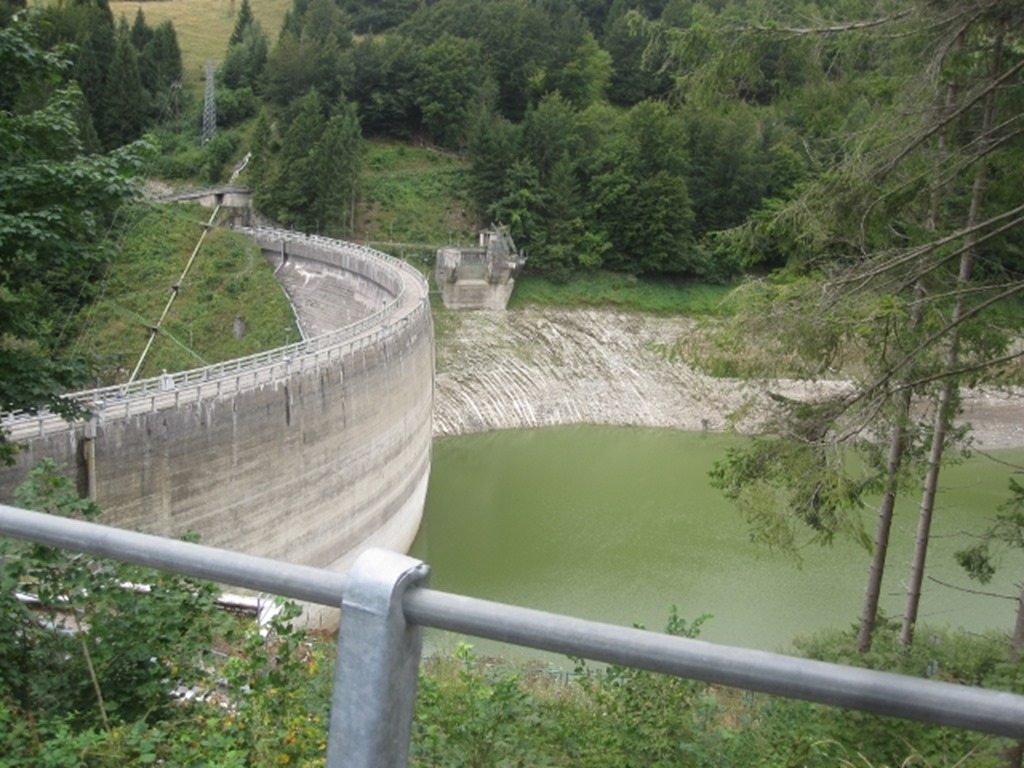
(882, 693)
(301, 582)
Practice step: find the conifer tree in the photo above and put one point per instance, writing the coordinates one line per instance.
(245, 60)
(164, 54)
(90, 28)
(243, 21)
(258, 169)
(141, 33)
(91, 75)
(336, 159)
(294, 189)
(886, 241)
(127, 103)
(493, 147)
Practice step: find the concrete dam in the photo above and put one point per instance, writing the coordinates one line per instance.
(307, 453)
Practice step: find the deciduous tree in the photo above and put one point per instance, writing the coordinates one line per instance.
(384, 84)
(55, 213)
(447, 77)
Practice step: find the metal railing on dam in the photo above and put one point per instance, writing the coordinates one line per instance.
(386, 603)
(233, 376)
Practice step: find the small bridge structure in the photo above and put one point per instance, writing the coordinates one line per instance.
(235, 197)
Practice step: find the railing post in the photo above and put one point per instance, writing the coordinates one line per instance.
(377, 664)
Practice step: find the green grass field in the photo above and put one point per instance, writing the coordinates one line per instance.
(203, 27)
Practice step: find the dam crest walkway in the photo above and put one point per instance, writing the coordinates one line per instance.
(337, 310)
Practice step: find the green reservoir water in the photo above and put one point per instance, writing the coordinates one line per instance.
(619, 524)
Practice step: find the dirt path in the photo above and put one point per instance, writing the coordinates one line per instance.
(538, 367)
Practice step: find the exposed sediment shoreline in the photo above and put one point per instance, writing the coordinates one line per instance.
(539, 367)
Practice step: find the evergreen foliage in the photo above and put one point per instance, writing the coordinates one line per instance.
(162, 57)
(127, 102)
(336, 159)
(245, 60)
(125, 71)
(891, 238)
(243, 23)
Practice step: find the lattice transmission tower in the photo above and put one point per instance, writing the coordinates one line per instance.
(209, 105)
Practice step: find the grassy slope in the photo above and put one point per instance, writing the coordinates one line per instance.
(413, 200)
(203, 27)
(228, 281)
(623, 292)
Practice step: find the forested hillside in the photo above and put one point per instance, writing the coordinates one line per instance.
(586, 148)
(643, 138)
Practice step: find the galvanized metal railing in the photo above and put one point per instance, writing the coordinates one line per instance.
(386, 603)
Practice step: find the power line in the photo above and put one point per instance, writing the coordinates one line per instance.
(155, 329)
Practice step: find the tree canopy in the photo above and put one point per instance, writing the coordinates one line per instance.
(900, 240)
(56, 216)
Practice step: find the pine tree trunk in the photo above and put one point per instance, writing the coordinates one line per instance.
(897, 449)
(950, 387)
(869, 613)
(924, 520)
(1017, 643)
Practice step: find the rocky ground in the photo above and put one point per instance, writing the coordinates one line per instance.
(538, 367)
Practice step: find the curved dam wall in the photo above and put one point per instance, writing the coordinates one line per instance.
(307, 453)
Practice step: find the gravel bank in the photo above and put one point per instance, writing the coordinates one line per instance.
(539, 367)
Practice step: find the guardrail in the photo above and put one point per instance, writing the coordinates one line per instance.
(327, 245)
(386, 604)
(232, 376)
